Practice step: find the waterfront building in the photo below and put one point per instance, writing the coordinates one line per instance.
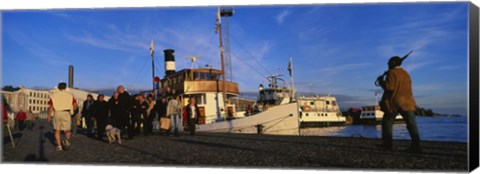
(36, 100)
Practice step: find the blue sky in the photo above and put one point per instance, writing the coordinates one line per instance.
(336, 49)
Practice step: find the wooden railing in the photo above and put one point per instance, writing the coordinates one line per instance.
(210, 86)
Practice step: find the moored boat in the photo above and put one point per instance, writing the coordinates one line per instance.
(373, 115)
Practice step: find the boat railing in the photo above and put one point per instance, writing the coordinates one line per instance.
(310, 109)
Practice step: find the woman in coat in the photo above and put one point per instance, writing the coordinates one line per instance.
(192, 115)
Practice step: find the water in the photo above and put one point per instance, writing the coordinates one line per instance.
(450, 129)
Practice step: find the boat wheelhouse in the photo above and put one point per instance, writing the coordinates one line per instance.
(206, 87)
(320, 111)
(313, 110)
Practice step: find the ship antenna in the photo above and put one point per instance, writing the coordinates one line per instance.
(193, 59)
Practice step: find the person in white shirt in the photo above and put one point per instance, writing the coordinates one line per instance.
(62, 106)
(173, 110)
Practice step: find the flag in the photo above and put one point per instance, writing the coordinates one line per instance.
(151, 49)
(218, 21)
(290, 67)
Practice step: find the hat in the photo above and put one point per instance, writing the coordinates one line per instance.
(395, 61)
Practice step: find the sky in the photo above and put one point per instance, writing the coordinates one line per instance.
(336, 49)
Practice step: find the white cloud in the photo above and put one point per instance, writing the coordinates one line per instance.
(247, 71)
(416, 65)
(111, 39)
(36, 49)
(314, 32)
(281, 16)
(333, 70)
(448, 67)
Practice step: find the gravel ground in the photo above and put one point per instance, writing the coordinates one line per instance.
(234, 150)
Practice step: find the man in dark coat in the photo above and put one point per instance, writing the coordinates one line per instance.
(125, 106)
(100, 113)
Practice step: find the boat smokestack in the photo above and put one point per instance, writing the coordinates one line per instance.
(169, 62)
(70, 76)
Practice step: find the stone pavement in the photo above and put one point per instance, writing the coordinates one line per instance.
(233, 150)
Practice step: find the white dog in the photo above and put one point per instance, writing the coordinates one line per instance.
(113, 134)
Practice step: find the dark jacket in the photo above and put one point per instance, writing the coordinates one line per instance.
(140, 108)
(125, 102)
(161, 108)
(114, 108)
(87, 110)
(100, 109)
(189, 111)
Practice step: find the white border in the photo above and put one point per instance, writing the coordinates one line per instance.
(8, 5)
(75, 4)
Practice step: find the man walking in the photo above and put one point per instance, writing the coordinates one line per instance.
(62, 105)
(398, 98)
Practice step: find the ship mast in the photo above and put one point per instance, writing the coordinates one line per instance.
(219, 29)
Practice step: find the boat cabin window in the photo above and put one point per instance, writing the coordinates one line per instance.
(328, 102)
(200, 99)
(206, 76)
(334, 103)
(312, 103)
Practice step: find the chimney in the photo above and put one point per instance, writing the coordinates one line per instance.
(70, 76)
(169, 62)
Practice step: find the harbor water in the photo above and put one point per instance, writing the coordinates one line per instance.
(448, 129)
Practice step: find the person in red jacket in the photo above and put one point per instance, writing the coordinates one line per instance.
(4, 114)
(5, 110)
(21, 116)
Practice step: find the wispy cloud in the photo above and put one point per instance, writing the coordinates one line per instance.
(333, 70)
(60, 14)
(420, 32)
(282, 15)
(247, 71)
(36, 49)
(112, 39)
(414, 66)
(448, 67)
(309, 33)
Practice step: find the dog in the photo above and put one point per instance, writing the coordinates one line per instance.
(113, 134)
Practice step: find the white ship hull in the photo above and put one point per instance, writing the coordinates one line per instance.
(371, 116)
(278, 120)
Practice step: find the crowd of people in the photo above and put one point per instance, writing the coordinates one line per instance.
(133, 115)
